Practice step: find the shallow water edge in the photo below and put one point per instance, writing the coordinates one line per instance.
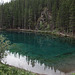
(57, 33)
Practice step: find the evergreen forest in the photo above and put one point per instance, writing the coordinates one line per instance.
(39, 15)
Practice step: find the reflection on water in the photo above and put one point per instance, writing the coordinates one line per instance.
(41, 54)
(20, 61)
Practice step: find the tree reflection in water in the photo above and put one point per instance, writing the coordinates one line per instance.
(40, 53)
(28, 63)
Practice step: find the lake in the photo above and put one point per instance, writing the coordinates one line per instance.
(43, 54)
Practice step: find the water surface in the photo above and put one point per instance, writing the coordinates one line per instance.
(44, 54)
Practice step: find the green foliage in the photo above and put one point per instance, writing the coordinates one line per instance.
(4, 45)
(72, 16)
(7, 70)
(55, 31)
(41, 25)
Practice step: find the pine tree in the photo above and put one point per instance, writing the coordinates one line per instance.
(72, 16)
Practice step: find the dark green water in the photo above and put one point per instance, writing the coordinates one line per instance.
(35, 49)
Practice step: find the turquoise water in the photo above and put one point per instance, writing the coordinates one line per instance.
(34, 48)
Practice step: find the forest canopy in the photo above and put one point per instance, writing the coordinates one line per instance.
(39, 14)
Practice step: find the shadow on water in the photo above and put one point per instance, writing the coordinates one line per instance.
(41, 53)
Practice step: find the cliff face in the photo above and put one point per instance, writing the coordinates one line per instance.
(44, 22)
